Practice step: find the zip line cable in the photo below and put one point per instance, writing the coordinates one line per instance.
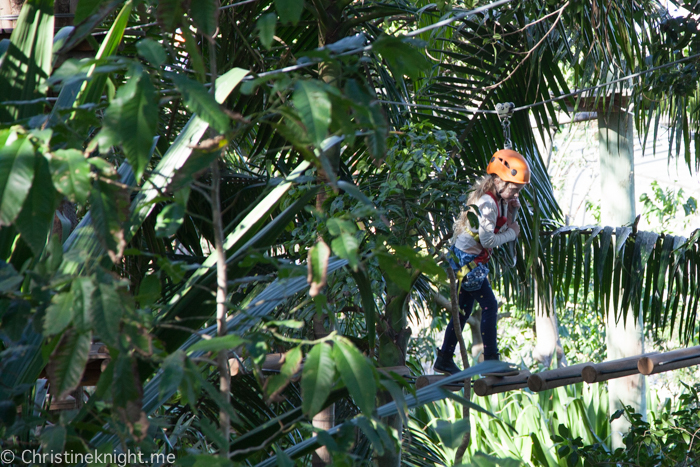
(471, 110)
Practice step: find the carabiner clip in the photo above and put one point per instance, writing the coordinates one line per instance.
(505, 111)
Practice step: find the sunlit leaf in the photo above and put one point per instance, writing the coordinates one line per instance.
(317, 378)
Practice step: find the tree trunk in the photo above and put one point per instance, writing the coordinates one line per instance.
(393, 344)
(325, 419)
(547, 333)
(624, 338)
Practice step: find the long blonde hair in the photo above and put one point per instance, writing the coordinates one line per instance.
(485, 184)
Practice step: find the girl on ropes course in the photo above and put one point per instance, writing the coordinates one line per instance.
(496, 197)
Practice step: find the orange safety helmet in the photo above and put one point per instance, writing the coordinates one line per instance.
(510, 166)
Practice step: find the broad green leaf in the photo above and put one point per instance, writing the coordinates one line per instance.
(277, 383)
(83, 289)
(317, 378)
(336, 226)
(345, 246)
(394, 271)
(16, 175)
(9, 278)
(70, 172)
(126, 385)
(403, 57)
(317, 266)
(199, 101)
(266, 29)
(367, 427)
(35, 220)
(218, 343)
(204, 14)
(190, 385)
(451, 433)
(27, 62)
(356, 372)
(86, 8)
(59, 314)
(173, 372)
(169, 220)
(149, 290)
(152, 51)
(289, 10)
(67, 363)
(132, 120)
(314, 107)
(170, 14)
(424, 263)
(109, 207)
(53, 439)
(108, 308)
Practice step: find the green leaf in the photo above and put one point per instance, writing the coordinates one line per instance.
(16, 175)
(53, 439)
(266, 29)
(403, 58)
(424, 263)
(149, 290)
(132, 120)
(9, 278)
(95, 86)
(394, 271)
(368, 304)
(170, 14)
(27, 62)
(357, 374)
(314, 107)
(451, 433)
(195, 55)
(277, 383)
(216, 344)
(85, 9)
(109, 207)
(317, 264)
(83, 289)
(59, 314)
(152, 51)
(289, 10)
(35, 221)
(199, 101)
(70, 172)
(317, 378)
(345, 246)
(108, 308)
(173, 372)
(126, 385)
(204, 14)
(190, 385)
(67, 363)
(169, 220)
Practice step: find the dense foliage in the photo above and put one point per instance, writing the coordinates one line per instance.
(282, 140)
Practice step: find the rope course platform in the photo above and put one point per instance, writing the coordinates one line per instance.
(645, 364)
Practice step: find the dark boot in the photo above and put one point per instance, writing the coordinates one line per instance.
(496, 356)
(445, 364)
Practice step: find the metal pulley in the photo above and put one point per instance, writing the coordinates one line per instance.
(505, 111)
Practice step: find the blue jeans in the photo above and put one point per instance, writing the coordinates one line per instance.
(489, 312)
